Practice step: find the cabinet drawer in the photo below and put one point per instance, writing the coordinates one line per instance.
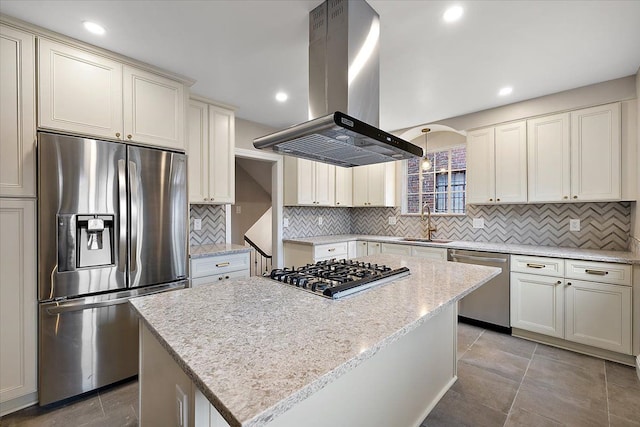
(427, 252)
(241, 274)
(604, 272)
(392, 248)
(333, 250)
(537, 265)
(216, 265)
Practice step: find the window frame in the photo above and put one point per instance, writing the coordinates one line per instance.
(405, 167)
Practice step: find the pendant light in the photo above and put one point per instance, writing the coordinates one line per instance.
(426, 163)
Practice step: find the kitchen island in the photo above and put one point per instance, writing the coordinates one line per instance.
(257, 352)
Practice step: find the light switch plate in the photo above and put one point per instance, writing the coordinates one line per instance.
(393, 220)
(197, 224)
(285, 222)
(320, 220)
(478, 222)
(574, 225)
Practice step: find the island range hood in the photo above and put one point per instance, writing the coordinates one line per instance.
(344, 88)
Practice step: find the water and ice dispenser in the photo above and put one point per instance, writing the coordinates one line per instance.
(85, 241)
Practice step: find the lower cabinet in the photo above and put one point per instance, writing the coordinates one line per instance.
(584, 302)
(217, 268)
(419, 251)
(18, 304)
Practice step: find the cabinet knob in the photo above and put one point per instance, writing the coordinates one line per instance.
(491, 200)
(575, 197)
(337, 203)
(128, 136)
(568, 283)
(559, 282)
(220, 278)
(497, 200)
(565, 197)
(117, 134)
(226, 277)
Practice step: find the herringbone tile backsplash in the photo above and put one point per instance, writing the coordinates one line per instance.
(603, 225)
(213, 225)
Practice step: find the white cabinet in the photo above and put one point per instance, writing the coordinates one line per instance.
(17, 113)
(210, 146)
(394, 248)
(18, 302)
(429, 252)
(308, 183)
(90, 94)
(585, 302)
(374, 185)
(218, 268)
(595, 153)
(497, 164)
(364, 248)
(344, 187)
(299, 254)
(548, 158)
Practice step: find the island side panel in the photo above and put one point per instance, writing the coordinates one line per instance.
(398, 386)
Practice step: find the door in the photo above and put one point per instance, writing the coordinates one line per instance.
(537, 304)
(80, 178)
(158, 220)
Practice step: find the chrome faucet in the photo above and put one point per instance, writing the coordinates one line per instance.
(430, 228)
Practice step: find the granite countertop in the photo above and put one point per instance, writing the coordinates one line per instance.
(201, 251)
(252, 346)
(621, 257)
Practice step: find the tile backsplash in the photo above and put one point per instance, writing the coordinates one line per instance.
(602, 225)
(213, 224)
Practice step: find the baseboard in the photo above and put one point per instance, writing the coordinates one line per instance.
(18, 403)
(485, 325)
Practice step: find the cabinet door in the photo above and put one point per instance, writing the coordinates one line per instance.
(537, 304)
(344, 187)
(373, 248)
(393, 248)
(198, 151)
(361, 248)
(360, 185)
(480, 166)
(18, 302)
(325, 184)
(548, 160)
(511, 162)
(153, 109)
(17, 113)
(221, 155)
(595, 153)
(376, 185)
(599, 314)
(305, 176)
(78, 91)
(430, 253)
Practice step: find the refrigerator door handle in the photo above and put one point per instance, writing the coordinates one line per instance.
(133, 184)
(122, 207)
(79, 307)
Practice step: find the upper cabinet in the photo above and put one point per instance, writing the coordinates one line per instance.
(210, 149)
(595, 153)
(344, 187)
(374, 185)
(308, 183)
(17, 113)
(497, 164)
(90, 94)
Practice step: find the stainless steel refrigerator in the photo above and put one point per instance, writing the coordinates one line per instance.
(112, 225)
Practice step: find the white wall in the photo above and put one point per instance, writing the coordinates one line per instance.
(252, 199)
(246, 131)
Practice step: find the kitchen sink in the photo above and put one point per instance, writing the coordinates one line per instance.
(423, 240)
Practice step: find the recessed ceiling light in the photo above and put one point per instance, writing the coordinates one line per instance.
(281, 96)
(453, 14)
(94, 28)
(505, 91)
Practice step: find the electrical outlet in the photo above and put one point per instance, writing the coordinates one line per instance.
(574, 225)
(197, 224)
(238, 209)
(478, 222)
(320, 220)
(393, 220)
(285, 222)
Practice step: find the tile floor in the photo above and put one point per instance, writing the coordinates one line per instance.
(502, 381)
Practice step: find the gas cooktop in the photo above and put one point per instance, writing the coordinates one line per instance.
(337, 278)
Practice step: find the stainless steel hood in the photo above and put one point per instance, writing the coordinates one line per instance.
(344, 87)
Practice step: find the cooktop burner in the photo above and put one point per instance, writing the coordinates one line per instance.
(337, 278)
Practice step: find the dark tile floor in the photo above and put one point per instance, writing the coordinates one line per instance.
(507, 381)
(502, 381)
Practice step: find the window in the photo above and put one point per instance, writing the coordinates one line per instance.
(443, 187)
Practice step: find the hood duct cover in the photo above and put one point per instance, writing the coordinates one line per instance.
(344, 76)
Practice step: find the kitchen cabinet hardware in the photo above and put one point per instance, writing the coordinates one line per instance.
(491, 200)
(565, 197)
(575, 197)
(568, 283)
(530, 265)
(117, 134)
(222, 264)
(337, 203)
(559, 282)
(129, 136)
(331, 250)
(497, 200)
(596, 272)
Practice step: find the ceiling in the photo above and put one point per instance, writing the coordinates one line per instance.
(243, 52)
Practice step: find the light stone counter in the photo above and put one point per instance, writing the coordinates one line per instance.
(201, 251)
(621, 257)
(256, 347)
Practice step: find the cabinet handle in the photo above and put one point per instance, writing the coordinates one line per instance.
(117, 134)
(128, 136)
(559, 282)
(331, 250)
(220, 278)
(565, 197)
(491, 200)
(223, 264)
(596, 272)
(226, 277)
(337, 203)
(575, 197)
(568, 283)
(535, 265)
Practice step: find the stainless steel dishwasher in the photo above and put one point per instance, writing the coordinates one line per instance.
(487, 306)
